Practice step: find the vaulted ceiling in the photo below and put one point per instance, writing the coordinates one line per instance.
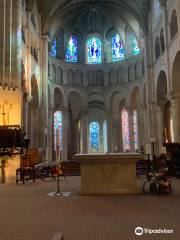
(93, 15)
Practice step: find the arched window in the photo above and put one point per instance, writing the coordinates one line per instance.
(118, 52)
(157, 47)
(125, 130)
(94, 50)
(94, 136)
(53, 51)
(71, 51)
(58, 130)
(132, 43)
(162, 40)
(135, 129)
(173, 24)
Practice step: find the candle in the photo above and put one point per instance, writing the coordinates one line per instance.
(163, 150)
(148, 148)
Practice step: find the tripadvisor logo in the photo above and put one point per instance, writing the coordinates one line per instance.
(140, 231)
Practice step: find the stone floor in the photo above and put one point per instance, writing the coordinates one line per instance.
(27, 213)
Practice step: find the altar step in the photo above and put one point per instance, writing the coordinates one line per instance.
(71, 168)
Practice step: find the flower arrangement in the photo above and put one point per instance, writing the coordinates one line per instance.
(159, 181)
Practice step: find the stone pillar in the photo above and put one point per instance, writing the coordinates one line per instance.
(10, 39)
(175, 107)
(50, 135)
(15, 44)
(141, 126)
(84, 133)
(106, 78)
(64, 134)
(109, 133)
(131, 129)
(160, 124)
(46, 143)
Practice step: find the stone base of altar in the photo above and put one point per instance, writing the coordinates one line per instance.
(108, 174)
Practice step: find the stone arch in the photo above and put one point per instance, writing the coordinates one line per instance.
(33, 117)
(91, 78)
(139, 69)
(59, 75)
(53, 72)
(157, 47)
(70, 77)
(120, 75)
(163, 110)
(131, 72)
(162, 40)
(100, 78)
(78, 78)
(161, 87)
(58, 99)
(135, 98)
(176, 74)
(173, 24)
(75, 107)
(112, 77)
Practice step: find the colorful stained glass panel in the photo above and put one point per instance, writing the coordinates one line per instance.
(135, 125)
(94, 51)
(71, 52)
(94, 136)
(58, 129)
(132, 43)
(125, 130)
(53, 48)
(118, 52)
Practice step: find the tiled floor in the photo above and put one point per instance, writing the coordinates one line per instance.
(27, 213)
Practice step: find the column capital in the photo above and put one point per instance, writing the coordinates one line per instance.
(45, 37)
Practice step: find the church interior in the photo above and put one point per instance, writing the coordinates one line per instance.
(90, 109)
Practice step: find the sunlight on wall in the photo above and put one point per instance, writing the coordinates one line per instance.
(10, 107)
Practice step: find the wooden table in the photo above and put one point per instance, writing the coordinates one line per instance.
(108, 173)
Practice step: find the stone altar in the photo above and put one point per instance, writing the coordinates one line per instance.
(108, 173)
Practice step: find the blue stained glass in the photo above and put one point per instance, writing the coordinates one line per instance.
(94, 136)
(53, 48)
(58, 129)
(94, 50)
(132, 44)
(71, 52)
(118, 52)
(135, 129)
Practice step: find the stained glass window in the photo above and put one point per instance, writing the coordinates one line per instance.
(118, 52)
(58, 129)
(94, 51)
(71, 52)
(53, 48)
(132, 43)
(125, 130)
(94, 136)
(135, 126)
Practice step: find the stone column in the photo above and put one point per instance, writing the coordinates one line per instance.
(141, 126)
(160, 124)
(46, 143)
(175, 108)
(84, 133)
(109, 128)
(50, 135)
(64, 134)
(15, 44)
(131, 129)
